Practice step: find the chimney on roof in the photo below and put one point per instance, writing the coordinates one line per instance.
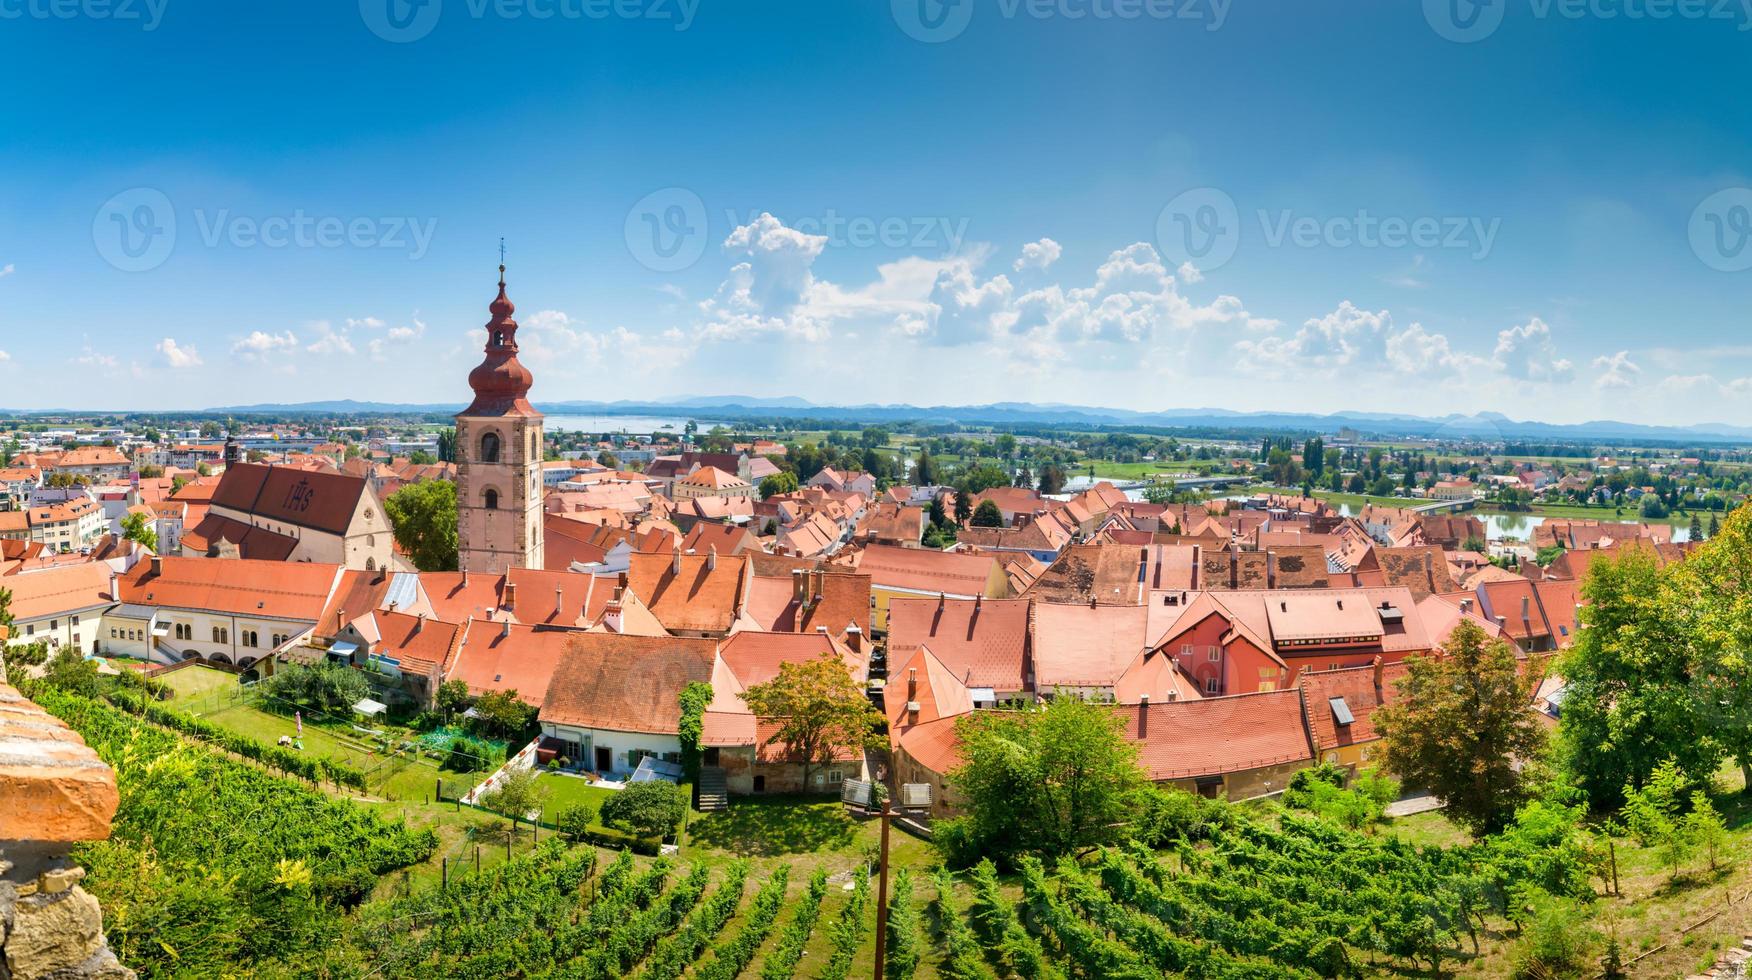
(419, 621)
(157, 566)
(1465, 605)
(712, 558)
(505, 629)
(1378, 668)
(675, 562)
(559, 599)
(465, 578)
(855, 638)
(1502, 621)
(1143, 717)
(620, 580)
(1526, 607)
(912, 683)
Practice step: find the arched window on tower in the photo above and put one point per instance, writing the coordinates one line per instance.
(490, 499)
(498, 338)
(490, 448)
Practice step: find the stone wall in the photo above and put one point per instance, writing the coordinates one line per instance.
(57, 792)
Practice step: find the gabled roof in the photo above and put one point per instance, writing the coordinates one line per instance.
(754, 657)
(626, 683)
(241, 586)
(510, 657)
(983, 642)
(705, 595)
(1187, 739)
(925, 570)
(922, 678)
(317, 500)
(1361, 697)
(58, 590)
(420, 645)
(1085, 646)
(251, 541)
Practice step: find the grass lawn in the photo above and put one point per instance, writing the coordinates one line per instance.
(198, 681)
(564, 791)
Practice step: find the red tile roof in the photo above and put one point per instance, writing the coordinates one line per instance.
(983, 642)
(626, 683)
(1186, 739)
(240, 586)
(58, 590)
(508, 657)
(1356, 685)
(320, 501)
(699, 598)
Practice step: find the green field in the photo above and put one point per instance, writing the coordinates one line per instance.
(199, 681)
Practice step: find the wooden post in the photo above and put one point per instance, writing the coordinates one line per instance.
(882, 899)
(1612, 852)
(444, 869)
(477, 860)
(438, 793)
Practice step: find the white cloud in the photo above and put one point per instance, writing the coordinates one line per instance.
(1038, 255)
(398, 336)
(765, 291)
(7, 270)
(92, 358)
(1349, 340)
(1616, 371)
(329, 341)
(1189, 273)
(364, 323)
(259, 344)
(1526, 352)
(176, 356)
(4, 357)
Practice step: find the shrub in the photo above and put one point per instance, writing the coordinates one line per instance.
(574, 821)
(650, 809)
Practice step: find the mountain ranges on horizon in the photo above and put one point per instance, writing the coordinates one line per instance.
(1483, 425)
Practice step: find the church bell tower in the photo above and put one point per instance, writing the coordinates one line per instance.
(498, 456)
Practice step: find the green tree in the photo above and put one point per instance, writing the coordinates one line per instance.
(980, 478)
(447, 444)
(650, 809)
(518, 796)
(453, 696)
(1696, 528)
(820, 711)
(963, 507)
(1052, 478)
(501, 713)
(574, 821)
(987, 514)
(423, 518)
(420, 457)
(1461, 728)
(134, 528)
(778, 483)
(1631, 700)
(1051, 780)
(70, 671)
(1710, 595)
(1705, 827)
(925, 469)
(905, 930)
(327, 687)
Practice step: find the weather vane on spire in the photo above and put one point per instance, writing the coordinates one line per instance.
(501, 260)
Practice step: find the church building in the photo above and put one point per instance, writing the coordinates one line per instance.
(499, 454)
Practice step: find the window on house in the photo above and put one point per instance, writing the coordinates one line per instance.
(73, 621)
(1210, 685)
(114, 634)
(1215, 654)
(490, 499)
(1186, 649)
(215, 634)
(54, 624)
(490, 447)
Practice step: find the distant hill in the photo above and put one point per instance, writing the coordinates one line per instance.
(1483, 425)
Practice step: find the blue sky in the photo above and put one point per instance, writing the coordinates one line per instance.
(1276, 205)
